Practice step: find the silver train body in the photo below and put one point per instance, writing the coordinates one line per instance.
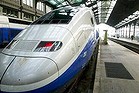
(50, 52)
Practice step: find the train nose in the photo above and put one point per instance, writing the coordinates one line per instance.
(27, 70)
(4, 63)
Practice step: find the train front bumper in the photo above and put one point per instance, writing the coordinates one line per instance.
(20, 74)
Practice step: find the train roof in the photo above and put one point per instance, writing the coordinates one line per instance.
(6, 19)
(3, 19)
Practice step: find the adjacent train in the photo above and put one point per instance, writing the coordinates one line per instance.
(50, 52)
(10, 27)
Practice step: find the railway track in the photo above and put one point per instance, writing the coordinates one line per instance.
(132, 46)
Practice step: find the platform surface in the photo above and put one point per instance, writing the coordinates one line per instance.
(128, 40)
(117, 70)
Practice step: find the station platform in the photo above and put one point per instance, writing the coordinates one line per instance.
(117, 70)
(128, 40)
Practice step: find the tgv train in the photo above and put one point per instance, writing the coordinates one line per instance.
(10, 27)
(50, 52)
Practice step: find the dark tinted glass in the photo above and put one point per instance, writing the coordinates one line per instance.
(60, 16)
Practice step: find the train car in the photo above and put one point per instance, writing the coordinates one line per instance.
(10, 27)
(50, 52)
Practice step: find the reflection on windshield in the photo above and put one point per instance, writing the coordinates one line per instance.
(60, 16)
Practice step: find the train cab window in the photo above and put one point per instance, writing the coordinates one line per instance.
(60, 16)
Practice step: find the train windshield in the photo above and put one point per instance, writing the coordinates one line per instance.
(60, 16)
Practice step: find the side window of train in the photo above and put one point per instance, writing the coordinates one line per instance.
(81, 39)
(92, 21)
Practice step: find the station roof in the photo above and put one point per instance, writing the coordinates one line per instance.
(122, 10)
(119, 11)
(58, 3)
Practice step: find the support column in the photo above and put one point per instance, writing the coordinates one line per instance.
(120, 32)
(123, 31)
(126, 31)
(134, 29)
(44, 8)
(35, 8)
(129, 30)
(105, 37)
(20, 14)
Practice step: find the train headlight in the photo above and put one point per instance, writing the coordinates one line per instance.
(48, 46)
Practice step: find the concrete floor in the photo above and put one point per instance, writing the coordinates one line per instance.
(115, 53)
